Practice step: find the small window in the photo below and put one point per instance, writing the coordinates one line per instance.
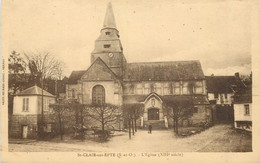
(25, 104)
(46, 104)
(107, 33)
(247, 109)
(195, 109)
(73, 93)
(107, 46)
(225, 95)
(215, 95)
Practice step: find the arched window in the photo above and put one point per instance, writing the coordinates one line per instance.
(98, 95)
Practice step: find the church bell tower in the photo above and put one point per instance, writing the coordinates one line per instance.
(108, 45)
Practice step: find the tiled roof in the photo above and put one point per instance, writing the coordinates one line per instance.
(243, 95)
(34, 90)
(163, 71)
(75, 76)
(221, 84)
(155, 71)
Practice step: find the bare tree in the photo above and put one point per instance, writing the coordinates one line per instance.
(178, 110)
(105, 114)
(42, 66)
(59, 116)
(132, 112)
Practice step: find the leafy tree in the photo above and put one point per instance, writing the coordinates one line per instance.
(16, 70)
(17, 78)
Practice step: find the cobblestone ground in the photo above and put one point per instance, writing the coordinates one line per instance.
(220, 138)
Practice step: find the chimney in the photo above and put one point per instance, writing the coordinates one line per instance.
(237, 75)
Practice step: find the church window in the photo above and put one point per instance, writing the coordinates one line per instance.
(131, 89)
(107, 46)
(198, 87)
(185, 88)
(139, 89)
(158, 88)
(166, 89)
(107, 33)
(176, 88)
(147, 88)
(98, 95)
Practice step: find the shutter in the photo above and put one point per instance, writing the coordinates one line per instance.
(27, 104)
(23, 104)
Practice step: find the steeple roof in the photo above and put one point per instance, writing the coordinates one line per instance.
(109, 21)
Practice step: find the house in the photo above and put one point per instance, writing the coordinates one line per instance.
(243, 109)
(111, 79)
(220, 92)
(27, 112)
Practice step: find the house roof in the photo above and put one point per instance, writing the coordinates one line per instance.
(163, 71)
(243, 95)
(221, 84)
(34, 90)
(196, 99)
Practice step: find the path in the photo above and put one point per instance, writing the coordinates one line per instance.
(217, 138)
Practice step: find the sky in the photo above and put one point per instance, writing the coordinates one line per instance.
(218, 33)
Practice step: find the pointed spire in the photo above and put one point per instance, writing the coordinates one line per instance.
(109, 21)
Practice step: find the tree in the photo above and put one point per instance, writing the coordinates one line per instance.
(70, 114)
(42, 66)
(178, 109)
(132, 112)
(16, 70)
(106, 114)
(59, 115)
(17, 78)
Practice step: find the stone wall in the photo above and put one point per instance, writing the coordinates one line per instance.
(32, 121)
(18, 121)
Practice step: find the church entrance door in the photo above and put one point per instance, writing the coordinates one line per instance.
(153, 114)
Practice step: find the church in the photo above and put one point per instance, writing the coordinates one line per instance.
(111, 79)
